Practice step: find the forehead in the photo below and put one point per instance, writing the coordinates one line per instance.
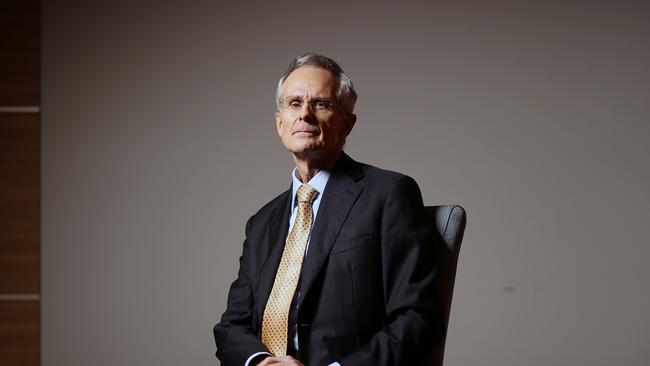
(312, 81)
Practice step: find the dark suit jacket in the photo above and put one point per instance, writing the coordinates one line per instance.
(366, 283)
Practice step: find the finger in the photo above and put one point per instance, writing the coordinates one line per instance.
(292, 361)
(269, 361)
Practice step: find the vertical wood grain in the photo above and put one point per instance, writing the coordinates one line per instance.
(19, 333)
(21, 53)
(19, 183)
(19, 203)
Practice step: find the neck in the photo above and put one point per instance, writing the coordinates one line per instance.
(309, 166)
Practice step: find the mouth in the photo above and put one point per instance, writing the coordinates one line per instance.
(305, 132)
(302, 128)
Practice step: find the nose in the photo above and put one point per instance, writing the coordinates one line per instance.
(306, 113)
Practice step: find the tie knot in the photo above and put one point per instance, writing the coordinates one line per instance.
(306, 193)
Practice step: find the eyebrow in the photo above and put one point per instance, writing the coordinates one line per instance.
(299, 97)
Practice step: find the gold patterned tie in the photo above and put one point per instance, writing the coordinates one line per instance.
(276, 313)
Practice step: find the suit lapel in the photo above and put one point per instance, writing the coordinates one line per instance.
(340, 194)
(277, 233)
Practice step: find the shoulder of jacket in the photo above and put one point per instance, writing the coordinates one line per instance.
(382, 176)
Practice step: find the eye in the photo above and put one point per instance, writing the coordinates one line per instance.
(321, 105)
(295, 104)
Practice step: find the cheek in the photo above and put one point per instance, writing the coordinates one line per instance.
(336, 133)
(286, 129)
(329, 130)
(335, 129)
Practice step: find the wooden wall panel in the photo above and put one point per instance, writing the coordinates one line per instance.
(19, 333)
(19, 183)
(19, 203)
(20, 53)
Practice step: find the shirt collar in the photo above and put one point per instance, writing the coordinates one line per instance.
(317, 182)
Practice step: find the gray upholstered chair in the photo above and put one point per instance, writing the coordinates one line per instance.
(450, 223)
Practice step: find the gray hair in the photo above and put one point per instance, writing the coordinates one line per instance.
(345, 95)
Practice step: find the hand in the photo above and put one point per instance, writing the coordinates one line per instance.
(280, 361)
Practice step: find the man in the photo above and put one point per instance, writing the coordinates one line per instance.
(338, 270)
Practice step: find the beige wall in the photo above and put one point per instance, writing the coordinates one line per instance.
(159, 142)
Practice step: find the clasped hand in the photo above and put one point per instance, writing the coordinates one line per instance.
(280, 361)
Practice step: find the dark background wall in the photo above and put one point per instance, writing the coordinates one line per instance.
(159, 143)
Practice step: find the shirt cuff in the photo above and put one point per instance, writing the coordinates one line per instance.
(255, 355)
(334, 364)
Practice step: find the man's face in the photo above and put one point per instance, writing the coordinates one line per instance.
(310, 123)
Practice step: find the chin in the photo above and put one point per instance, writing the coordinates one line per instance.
(304, 147)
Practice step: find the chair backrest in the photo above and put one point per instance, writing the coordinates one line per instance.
(450, 223)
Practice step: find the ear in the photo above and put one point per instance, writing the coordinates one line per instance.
(350, 121)
(278, 123)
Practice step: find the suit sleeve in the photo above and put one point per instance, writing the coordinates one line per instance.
(234, 336)
(408, 273)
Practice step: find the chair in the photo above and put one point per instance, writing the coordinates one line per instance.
(450, 223)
